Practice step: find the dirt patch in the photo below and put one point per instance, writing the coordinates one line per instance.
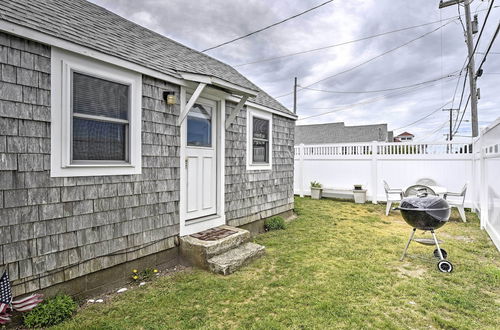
(458, 238)
(409, 270)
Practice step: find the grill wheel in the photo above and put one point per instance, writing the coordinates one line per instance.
(445, 266)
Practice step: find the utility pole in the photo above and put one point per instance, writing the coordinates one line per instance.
(295, 96)
(450, 135)
(471, 65)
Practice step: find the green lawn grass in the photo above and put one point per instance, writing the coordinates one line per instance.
(335, 266)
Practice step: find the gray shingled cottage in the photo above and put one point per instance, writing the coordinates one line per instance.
(115, 142)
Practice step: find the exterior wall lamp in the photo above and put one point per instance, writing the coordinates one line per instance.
(170, 97)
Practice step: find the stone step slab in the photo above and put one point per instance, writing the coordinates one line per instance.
(230, 261)
(197, 252)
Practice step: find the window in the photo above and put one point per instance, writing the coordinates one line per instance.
(96, 118)
(199, 126)
(259, 140)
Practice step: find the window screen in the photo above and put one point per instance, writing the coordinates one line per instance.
(100, 119)
(260, 140)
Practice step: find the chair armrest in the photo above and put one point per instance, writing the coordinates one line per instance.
(395, 191)
(454, 194)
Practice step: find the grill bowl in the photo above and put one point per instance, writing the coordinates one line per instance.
(425, 212)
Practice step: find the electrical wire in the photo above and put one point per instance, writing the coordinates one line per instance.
(372, 58)
(382, 90)
(489, 47)
(267, 59)
(463, 113)
(269, 26)
(424, 117)
(339, 44)
(367, 101)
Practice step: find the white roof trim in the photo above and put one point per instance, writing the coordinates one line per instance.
(236, 89)
(262, 107)
(43, 38)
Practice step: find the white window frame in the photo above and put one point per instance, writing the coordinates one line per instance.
(251, 113)
(63, 64)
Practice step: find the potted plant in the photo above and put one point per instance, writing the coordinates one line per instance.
(316, 190)
(359, 194)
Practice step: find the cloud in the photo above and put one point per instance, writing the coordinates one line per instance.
(205, 23)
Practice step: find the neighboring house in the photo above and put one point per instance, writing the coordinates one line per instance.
(97, 170)
(339, 133)
(404, 137)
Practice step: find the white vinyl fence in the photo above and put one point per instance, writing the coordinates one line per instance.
(338, 167)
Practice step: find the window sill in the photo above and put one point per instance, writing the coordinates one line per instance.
(259, 167)
(95, 170)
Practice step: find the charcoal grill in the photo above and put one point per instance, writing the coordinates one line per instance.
(427, 213)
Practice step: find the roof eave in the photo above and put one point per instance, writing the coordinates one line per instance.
(211, 80)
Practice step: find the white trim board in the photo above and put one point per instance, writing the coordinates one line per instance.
(251, 166)
(188, 227)
(62, 65)
(261, 107)
(43, 38)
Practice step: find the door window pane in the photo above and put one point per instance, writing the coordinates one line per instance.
(98, 140)
(199, 126)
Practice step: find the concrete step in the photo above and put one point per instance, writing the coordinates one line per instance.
(230, 261)
(197, 251)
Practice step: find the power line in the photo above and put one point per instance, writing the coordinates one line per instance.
(463, 113)
(382, 90)
(269, 26)
(267, 59)
(339, 44)
(489, 47)
(424, 117)
(367, 101)
(372, 58)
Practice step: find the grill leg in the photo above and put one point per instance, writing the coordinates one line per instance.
(437, 245)
(408, 244)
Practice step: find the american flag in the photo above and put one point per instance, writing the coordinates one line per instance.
(20, 305)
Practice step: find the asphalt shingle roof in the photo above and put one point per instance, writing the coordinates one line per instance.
(339, 133)
(92, 26)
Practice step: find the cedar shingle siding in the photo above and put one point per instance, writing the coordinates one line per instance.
(56, 229)
(253, 195)
(48, 224)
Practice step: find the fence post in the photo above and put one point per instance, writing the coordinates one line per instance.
(374, 170)
(301, 168)
(483, 186)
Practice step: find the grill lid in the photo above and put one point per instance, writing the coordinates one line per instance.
(424, 203)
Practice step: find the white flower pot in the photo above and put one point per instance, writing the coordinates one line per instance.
(316, 193)
(359, 196)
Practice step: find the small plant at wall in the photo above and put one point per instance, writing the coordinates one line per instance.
(274, 223)
(51, 312)
(316, 184)
(144, 275)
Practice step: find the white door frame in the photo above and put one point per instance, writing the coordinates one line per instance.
(188, 227)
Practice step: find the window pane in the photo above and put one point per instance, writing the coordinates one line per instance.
(260, 128)
(260, 151)
(98, 140)
(99, 97)
(199, 126)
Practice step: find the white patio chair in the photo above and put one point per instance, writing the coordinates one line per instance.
(457, 200)
(392, 195)
(427, 182)
(419, 188)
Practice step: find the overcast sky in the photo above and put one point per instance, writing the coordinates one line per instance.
(201, 24)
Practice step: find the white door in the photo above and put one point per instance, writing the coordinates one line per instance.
(201, 160)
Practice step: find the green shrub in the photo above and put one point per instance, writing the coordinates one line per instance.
(274, 223)
(51, 312)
